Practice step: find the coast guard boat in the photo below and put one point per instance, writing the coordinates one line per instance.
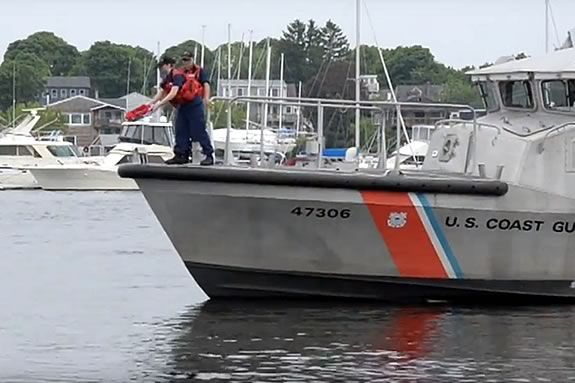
(490, 216)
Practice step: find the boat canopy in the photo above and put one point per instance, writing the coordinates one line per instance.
(556, 65)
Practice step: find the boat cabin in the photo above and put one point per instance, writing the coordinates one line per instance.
(526, 136)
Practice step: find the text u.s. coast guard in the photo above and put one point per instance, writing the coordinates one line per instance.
(509, 224)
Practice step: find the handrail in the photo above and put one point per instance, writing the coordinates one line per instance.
(459, 121)
(541, 146)
(335, 103)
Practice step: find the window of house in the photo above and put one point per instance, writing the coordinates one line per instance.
(288, 109)
(275, 92)
(559, 95)
(75, 119)
(261, 92)
(63, 93)
(240, 92)
(8, 150)
(54, 93)
(72, 92)
(108, 115)
(517, 94)
(82, 92)
(86, 119)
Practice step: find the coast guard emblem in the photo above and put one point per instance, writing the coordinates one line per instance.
(397, 220)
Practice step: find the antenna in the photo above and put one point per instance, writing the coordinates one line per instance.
(546, 26)
(14, 95)
(357, 75)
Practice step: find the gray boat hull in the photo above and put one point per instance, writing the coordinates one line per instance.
(241, 238)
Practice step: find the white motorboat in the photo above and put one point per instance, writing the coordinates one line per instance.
(151, 141)
(20, 151)
(247, 142)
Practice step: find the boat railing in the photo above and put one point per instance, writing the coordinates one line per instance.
(321, 104)
(541, 146)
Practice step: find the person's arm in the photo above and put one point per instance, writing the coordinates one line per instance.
(169, 97)
(159, 95)
(206, 84)
(178, 82)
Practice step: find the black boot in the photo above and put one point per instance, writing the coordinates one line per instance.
(208, 161)
(178, 159)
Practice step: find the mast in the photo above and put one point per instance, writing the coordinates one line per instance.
(357, 74)
(250, 62)
(203, 45)
(229, 60)
(281, 92)
(546, 26)
(265, 121)
(298, 121)
(14, 95)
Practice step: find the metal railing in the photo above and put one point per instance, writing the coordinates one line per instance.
(322, 104)
(541, 146)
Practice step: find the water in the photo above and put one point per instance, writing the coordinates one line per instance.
(91, 290)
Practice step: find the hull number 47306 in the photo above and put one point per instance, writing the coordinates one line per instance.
(318, 212)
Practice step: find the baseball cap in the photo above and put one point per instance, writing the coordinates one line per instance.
(187, 56)
(167, 60)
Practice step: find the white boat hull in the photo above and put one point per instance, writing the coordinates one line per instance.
(17, 179)
(92, 178)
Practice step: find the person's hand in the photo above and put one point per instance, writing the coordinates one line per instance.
(207, 103)
(156, 107)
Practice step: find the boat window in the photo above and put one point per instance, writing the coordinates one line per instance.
(559, 95)
(488, 96)
(8, 150)
(147, 135)
(517, 94)
(27, 151)
(61, 151)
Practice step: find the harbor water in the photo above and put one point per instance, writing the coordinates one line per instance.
(91, 290)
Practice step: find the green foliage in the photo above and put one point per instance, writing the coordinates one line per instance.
(51, 49)
(30, 76)
(333, 42)
(107, 65)
(219, 116)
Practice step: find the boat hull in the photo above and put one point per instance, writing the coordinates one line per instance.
(17, 179)
(239, 238)
(81, 179)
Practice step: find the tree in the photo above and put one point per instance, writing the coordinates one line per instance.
(333, 42)
(461, 92)
(53, 50)
(220, 116)
(30, 75)
(109, 64)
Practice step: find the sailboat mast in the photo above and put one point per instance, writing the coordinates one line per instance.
(546, 26)
(250, 63)
(357, 74)
(265, 121)
(203, 45)
(281, 92)
(14, 95)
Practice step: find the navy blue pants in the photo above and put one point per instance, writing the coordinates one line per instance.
(191, 127)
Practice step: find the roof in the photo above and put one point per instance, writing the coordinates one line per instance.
(558, 64)
(68, 82)
(419, 93)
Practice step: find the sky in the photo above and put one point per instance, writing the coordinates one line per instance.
(458, 32)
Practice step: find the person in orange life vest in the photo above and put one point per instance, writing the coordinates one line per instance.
(185, 90)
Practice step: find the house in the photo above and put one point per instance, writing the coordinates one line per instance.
(62, 87)
(427, 94)
(238, 88)
(96, 121)
(371, 84)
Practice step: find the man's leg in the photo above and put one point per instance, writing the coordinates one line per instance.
(200, 134)
(182, 147)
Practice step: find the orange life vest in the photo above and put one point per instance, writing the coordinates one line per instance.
(191, 89)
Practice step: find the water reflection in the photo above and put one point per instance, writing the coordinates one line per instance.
(243, 341)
